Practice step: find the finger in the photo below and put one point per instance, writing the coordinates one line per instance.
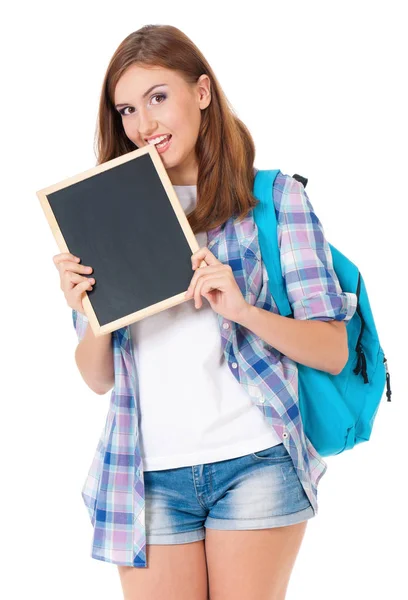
(82, 287)
(204, 254)
(197, 296)
(80, 278)
(201, 264)
(197, 293)
(204, 272)
(65, 256)
(74, 296)
(200, 273)
(67, 265)
(70, 279)
(208, 284)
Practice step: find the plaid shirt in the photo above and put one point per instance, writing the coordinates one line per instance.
(114, 487)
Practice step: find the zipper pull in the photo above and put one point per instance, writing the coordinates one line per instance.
(387, 376)
(361, 366)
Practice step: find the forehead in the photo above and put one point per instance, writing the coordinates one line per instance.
(137, 79)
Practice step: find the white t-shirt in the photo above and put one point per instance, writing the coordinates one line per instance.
(192, 410)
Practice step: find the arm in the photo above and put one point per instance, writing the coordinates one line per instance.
(317, 344)
(317, 335)
(94, 356)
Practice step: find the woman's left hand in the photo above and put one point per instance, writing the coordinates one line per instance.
(216, 282)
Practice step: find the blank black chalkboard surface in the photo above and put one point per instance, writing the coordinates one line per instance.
(124, 219)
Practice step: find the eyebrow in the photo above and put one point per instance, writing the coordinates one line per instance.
(144, 95)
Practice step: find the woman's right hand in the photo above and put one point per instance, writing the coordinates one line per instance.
(72, 283)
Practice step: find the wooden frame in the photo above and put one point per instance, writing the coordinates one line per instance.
(43, 196)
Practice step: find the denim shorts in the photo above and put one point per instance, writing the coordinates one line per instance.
(255, 491)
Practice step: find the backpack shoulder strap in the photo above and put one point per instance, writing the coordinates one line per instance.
(265, 218)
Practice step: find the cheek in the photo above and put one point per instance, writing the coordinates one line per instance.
(186, 130)
(171, 120)
(130, 129)
(182, 120)
(194, 121)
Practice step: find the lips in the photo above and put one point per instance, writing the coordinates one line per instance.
(163, 146)
(168, 136)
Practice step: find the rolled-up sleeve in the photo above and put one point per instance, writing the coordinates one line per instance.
(80, 322)
(312, 285)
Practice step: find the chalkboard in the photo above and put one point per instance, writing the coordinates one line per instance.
(124, 219)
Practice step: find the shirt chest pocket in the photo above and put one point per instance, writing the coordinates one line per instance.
(252, 269)
(244, 258)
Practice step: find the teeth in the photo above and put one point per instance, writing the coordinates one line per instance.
(158, 139)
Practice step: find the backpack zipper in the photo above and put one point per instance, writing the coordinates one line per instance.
(387, 376)
(361, 359)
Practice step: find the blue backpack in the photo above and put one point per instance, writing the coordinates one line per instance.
(337, 411)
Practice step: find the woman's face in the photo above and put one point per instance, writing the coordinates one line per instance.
(173, 107)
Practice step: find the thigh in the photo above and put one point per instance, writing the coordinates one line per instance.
(175, 572)
(253, 564)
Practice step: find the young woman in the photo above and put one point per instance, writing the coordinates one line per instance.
(203, 473)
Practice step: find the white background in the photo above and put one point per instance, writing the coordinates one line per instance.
(321, 87)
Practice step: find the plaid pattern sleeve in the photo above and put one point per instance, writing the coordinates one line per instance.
(80, 322)
(312, 285)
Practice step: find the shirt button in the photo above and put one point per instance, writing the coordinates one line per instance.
(234, 365)
(284, 434)
(262, 399)
(225, 325)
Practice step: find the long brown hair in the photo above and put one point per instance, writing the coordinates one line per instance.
(225, 149)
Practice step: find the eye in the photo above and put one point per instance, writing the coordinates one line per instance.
(122, 110)
(160, 96)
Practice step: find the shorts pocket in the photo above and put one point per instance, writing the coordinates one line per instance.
(274, 453)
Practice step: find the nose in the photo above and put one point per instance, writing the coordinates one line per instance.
(147, 125)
